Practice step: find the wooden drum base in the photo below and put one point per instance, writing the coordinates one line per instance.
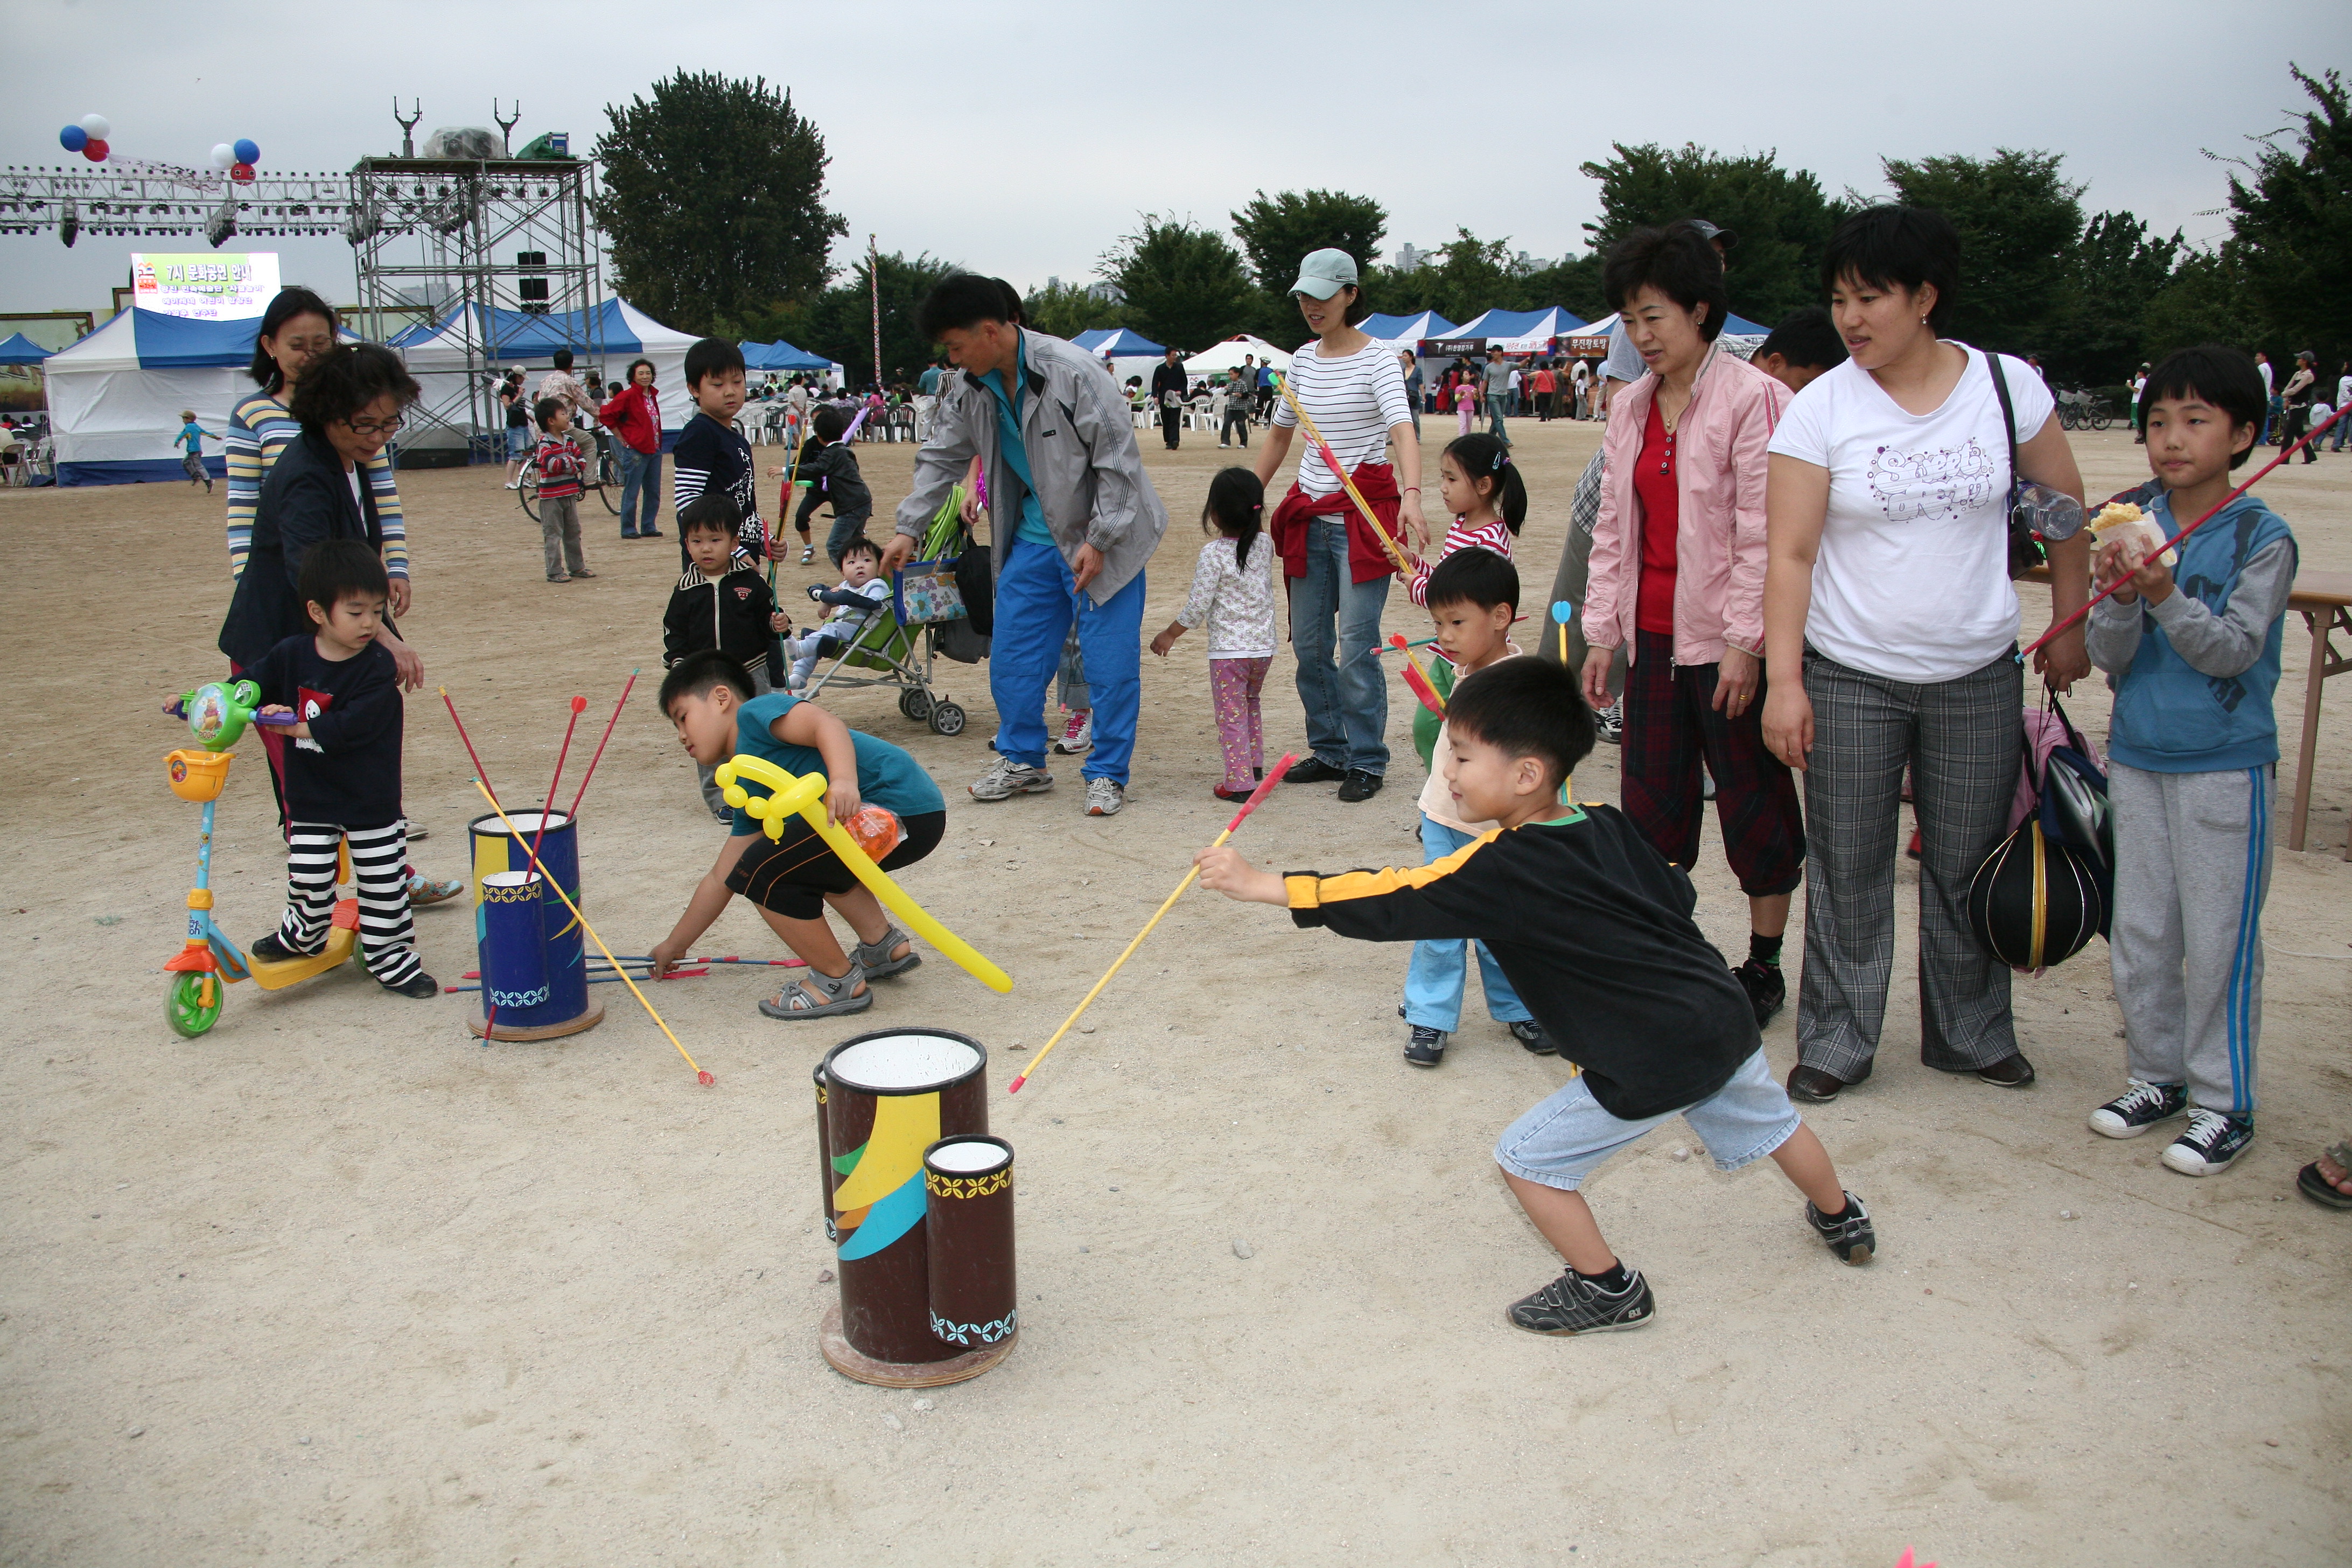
(588, 1020)
(854, 1363)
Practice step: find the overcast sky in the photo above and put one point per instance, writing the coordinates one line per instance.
(1022, 139)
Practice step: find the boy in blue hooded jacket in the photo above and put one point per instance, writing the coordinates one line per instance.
(2192, 649)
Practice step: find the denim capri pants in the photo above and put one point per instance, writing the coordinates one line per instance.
(1568, 1136)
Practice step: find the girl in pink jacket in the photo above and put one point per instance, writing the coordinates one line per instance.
(1678, 577)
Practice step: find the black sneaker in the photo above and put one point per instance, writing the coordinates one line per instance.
(1426, 1049)
(1849, 1234)
(2140, 1108)
(1609, 724)
(1360, 785)
(1767, 990)
(419, 984)
(1530, 1034)
(2212, 1143)
(272, 949)
(1573, 1304)
(1314, 770)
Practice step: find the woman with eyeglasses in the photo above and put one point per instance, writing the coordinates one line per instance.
(320, 453)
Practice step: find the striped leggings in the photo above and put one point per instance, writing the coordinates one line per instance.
(378, 866)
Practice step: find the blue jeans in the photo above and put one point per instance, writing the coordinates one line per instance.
(1036, 602)
(1434, 980)
(1494, 418)
(640, 490)
(1347, 702)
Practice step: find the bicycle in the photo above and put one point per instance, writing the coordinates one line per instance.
(2081, 410)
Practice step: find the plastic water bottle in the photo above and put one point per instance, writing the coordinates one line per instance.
(2052, 516)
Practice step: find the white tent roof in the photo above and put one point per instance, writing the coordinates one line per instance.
(1408, 330)
(436, 354)
(1227, 355)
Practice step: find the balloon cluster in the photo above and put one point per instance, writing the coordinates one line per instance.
(87, 137)
(238, 158)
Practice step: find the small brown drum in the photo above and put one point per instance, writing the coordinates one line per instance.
(969, 1182)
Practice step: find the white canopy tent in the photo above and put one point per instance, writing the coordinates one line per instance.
(1519, 331)
(438, 356)
(1227, 356)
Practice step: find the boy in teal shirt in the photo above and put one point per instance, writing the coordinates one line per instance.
(2192, 652)
(191, 439)
(792, 880)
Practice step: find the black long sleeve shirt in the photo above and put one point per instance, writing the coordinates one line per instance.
(348, 772)
(1594, 927)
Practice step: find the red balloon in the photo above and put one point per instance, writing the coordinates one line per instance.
(94, 150)
(242, 174)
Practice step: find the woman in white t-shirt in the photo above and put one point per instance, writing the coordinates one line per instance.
(1337, 569)
(1890, 632)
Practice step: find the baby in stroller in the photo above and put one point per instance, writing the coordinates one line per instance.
(854, 600)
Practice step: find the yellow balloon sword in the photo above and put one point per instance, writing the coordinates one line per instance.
(805, 794)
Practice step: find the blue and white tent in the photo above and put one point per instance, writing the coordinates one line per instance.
(439, 353)
(1406, 331)
(22, 350)
(1117, 342)
(782, 356)
(115, 397)
(1518, 331)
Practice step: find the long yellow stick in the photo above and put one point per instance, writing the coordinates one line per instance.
(1331, 461)
(699, 1076)
(1257, 794)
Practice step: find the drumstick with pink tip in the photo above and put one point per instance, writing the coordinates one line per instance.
(1273, 777)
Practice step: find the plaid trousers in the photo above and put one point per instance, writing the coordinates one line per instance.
(1962, 739)
(1671, 727)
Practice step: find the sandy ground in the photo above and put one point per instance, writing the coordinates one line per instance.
(335, 1284)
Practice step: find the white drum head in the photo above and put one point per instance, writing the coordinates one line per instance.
(510, 879)
(968, 1157)
(898, 1064)
(527, 822)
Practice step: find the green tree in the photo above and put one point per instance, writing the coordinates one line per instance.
(1460, 281)
(1065, 310)
(2116, 272)
(2291, 226)
(2018, 222)
(1781, 216)
(1277, 232)
(838, 323)
(1184, 283)
(712, 199)
(2205, 300)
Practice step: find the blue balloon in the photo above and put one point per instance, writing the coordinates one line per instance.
(73, 139)
(246, 151)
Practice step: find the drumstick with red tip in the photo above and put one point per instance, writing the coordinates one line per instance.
(599, 756)
(1273, 777)
(1417, 678)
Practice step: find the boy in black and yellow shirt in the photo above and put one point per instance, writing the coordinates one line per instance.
(1594, 931)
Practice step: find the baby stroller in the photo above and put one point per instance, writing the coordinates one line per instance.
(901, 642)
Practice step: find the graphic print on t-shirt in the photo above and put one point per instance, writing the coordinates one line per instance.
(1940, 485)
(309, 706)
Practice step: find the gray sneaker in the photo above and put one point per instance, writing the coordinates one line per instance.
(1104, 797)
(1573, 1304)
(1008, 778)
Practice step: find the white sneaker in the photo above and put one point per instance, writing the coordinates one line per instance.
(1008, 778)
(1611, 721)
(1077, 735)
(1104, 797)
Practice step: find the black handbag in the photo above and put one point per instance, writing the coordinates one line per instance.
(2025, 551)
(2041, 897)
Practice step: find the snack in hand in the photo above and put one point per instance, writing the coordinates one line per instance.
(2121, 520)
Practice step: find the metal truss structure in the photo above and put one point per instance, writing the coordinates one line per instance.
(481, 245)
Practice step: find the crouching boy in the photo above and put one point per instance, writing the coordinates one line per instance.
(1593, 929)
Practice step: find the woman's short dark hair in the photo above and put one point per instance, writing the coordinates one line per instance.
(290, 303)
(345, 380)
(629, 378)
(960, 301)
(1676, 261)
(2215, 373)
(1897, 247)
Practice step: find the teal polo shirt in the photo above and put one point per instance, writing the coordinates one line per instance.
(1017, 453)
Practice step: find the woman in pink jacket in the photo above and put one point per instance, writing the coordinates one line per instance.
(1679, 574)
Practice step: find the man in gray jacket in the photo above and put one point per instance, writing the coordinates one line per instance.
(1072, 520)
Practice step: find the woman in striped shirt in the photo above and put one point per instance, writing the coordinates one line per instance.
(1337, 568)
(296, 329)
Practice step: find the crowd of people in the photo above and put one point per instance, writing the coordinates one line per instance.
(1791, 583)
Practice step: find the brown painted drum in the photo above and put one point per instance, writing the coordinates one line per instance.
(969, 1184)
(824, 1172)
(890, 1096)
